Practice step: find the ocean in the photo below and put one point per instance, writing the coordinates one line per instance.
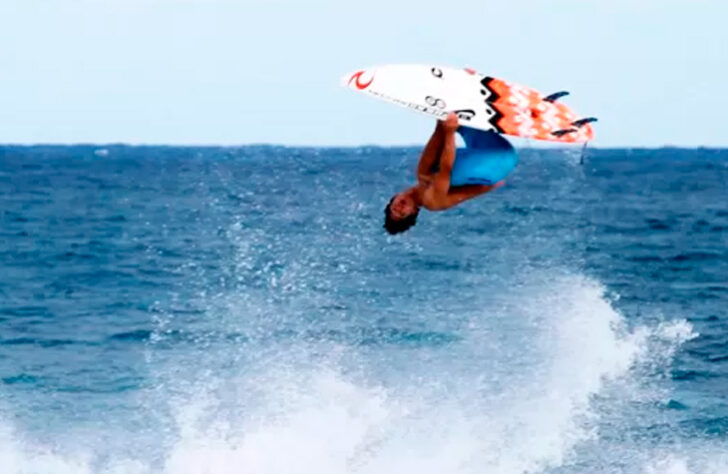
(241, 310)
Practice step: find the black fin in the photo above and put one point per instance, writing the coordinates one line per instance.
(581, 122)
(561, 133)
(555, 96)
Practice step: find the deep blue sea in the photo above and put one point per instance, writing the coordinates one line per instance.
(241, 310)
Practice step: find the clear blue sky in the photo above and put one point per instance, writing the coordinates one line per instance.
(267, 71)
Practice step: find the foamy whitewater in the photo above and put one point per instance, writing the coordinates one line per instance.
(183, 310)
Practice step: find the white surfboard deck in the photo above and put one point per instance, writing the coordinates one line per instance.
(479, 101)
(430, 90)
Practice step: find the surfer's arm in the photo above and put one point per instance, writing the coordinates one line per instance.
(430, 154)
(441, 182)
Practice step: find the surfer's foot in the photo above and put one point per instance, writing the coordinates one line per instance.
(451, 123)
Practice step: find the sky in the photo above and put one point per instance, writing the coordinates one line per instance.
(235, 72)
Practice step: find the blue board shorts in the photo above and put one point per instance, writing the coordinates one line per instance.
(486, 159)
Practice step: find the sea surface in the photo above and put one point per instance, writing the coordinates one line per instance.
(241, 310)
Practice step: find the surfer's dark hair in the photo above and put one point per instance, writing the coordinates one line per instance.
(396, 226)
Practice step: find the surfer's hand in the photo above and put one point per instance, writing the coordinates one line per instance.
(450, 124)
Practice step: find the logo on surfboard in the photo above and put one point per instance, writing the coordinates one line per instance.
(356, 77)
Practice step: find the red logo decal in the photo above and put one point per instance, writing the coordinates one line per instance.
(469, 71)
(356, 76)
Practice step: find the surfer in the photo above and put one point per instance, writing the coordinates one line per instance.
(432, 191)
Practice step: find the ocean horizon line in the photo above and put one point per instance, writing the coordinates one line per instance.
(538, 146)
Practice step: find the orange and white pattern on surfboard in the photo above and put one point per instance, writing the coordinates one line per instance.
(525, 114)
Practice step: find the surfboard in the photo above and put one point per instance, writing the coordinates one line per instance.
(479, 101)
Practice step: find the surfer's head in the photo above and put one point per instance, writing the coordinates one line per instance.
(401, 213)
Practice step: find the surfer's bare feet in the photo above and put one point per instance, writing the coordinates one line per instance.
(450, 123)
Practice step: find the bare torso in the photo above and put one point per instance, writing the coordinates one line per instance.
(432, 200)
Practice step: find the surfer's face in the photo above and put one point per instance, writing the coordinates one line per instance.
(401, 213)
(403, 205)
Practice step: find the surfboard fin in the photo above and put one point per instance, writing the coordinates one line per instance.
(581, 122)
(576, 123)
(562, 132)
(555, 96)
